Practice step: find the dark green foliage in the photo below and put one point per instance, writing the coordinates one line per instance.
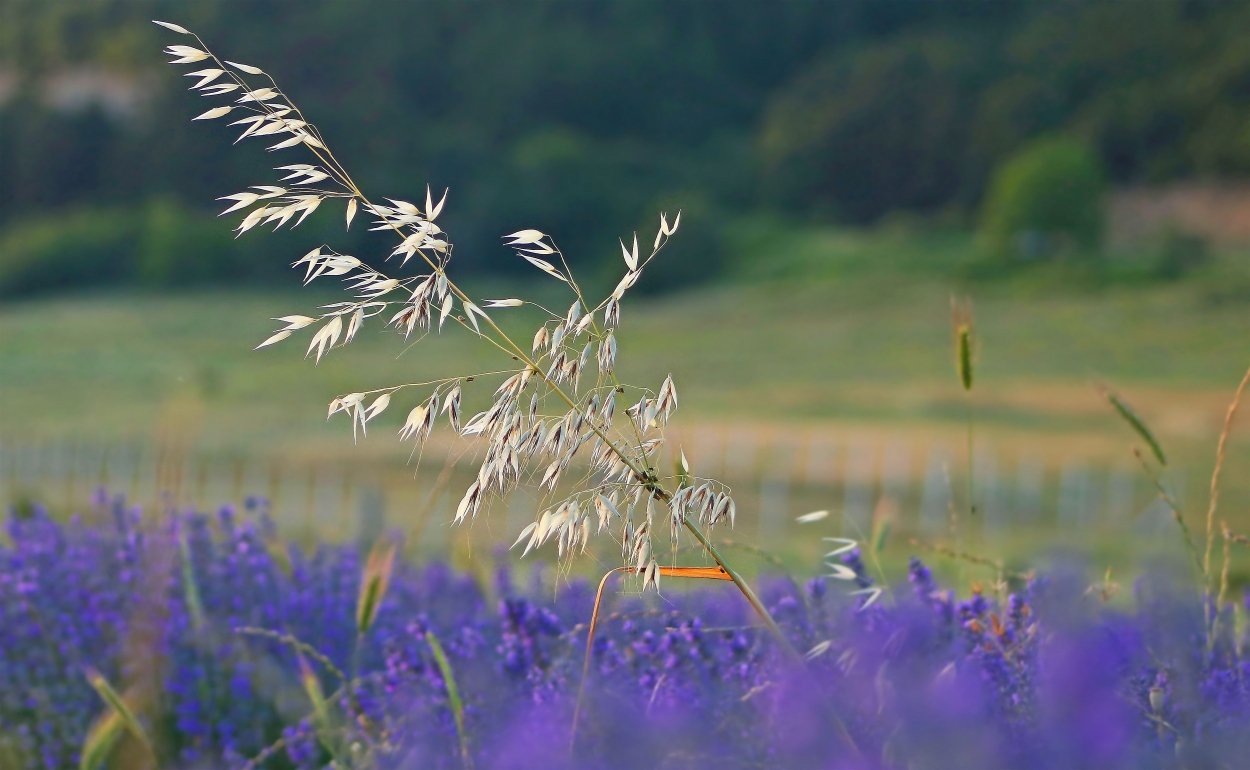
(1181, 253)
(864, 132)
(582, 117)
(1045, 200)
(79, 246)
(159, 243)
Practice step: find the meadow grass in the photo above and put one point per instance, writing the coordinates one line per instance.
(105, 365)
(859, 354)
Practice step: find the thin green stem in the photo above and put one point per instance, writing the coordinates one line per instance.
(453, 696)
(839, 727)
(972, 492)
(443, 381)
(1175, 507)
(303, 647)
(265, 754)
(313, 653)
(746, 590)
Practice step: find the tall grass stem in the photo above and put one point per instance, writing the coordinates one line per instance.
(1212, 615)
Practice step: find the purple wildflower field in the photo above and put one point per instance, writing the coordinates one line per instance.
(171, 639)
(1045, 676)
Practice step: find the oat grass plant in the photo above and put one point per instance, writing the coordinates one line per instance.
(557, 397)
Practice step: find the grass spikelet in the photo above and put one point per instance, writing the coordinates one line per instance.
(373, 583)
(453, 696)
(965, 340)
(1135, 422)
(965, 357)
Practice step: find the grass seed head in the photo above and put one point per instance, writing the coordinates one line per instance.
(1134, 421)
(373, 583)
(965, 340)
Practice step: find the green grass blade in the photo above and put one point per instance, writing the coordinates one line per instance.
(324, 724)
(312, 687)
(190, 589)
(125, 716)
(1137, 424)
(101, 740)
(880, 533)
(453, 695)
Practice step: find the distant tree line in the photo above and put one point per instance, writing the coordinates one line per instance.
(585, 117)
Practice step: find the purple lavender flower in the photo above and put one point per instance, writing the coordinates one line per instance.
(1042, 678)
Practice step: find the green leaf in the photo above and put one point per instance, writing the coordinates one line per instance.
(453, 693)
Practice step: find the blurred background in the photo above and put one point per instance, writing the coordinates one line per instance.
(1079, 170)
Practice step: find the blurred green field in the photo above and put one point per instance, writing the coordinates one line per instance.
(831, 326)
(822, 335)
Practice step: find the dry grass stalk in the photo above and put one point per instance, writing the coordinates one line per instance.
(1219, 465)
(1230, 537)
(1228, 540)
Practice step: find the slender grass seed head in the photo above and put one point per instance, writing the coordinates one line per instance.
(965, 340)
